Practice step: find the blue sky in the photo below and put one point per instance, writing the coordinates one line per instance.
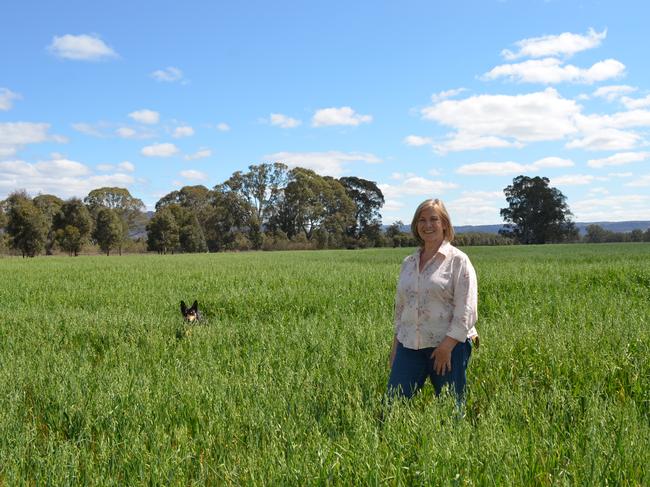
(439, 98)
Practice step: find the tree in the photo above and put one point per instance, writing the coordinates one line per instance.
(231, 215)
(537, 213)
(311, 201)
(73, 225)
(262, 185)
(129, 209)
(162, 232)
(50, 206)
(368, 199)
(26, 226)
(109, 230)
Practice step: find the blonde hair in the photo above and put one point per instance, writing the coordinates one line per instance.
(439, 207)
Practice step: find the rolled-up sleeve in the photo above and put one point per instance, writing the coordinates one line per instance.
(465, 300)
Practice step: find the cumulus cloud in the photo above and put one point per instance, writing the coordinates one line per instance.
(612, 208)
(145, 116)
(495, 121)
(635, 103)
(62, 177)
(280, 120)
(565, 44)
(88, 129)
(160, 150)
(476, 207)
(6, 99)
(417, 141)
(416, 186)
(339, 116)
(512, 168)
(14, 135)
(194, 175)
(619, 159)
(576, 179)
(223, 127)
(552, 71)
(614, 92)
(168, 75)
(331, 163)
(185, 131)
(443, 95)
(81, 48)
(608, 139)
(200, 154)
(640, 182)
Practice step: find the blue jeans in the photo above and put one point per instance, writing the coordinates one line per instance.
(412, 367)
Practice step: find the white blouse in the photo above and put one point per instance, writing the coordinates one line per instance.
(439, 301)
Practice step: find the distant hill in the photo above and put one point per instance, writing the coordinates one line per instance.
(582, 226)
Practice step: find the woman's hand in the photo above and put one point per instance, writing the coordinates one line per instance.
(441, 356)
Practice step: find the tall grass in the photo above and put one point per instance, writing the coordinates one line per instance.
(282, 383)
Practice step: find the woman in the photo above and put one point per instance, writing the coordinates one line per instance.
(435, 309)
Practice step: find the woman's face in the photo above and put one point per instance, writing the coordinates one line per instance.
(430, 227)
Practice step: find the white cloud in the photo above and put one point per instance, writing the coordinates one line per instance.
(194, 175)
(416, 186)
(640, 182)
(504, 121)
(417, 141)
(339, 116)
(614, 92)
(443, 95)
(619, 159)
(81, 48)
(126, 132)
(575, 180)
(169, 74)
(13, 135)
(223, 127)
(145, 116)
(6, 99)
(476, 207)
(200, 154)
(612, 208)
(634, 103)
(620, 174)
(61, 177)
(126, 166)
(551, 71)
(606, 139)
(565, 44)
(280, 120)
(512, 168)
(105, 167)
(330, 163)
(185, 131)
(159, 150)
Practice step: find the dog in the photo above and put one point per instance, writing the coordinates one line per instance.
(192, 314)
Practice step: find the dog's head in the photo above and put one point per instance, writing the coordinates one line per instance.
(190, 314)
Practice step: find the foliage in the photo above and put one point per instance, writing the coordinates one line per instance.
(163, 232)
(109, 230)
(537, 213)
(368, 200)
(50, 206)
(26, 225)
(73, 226)
(283, 382)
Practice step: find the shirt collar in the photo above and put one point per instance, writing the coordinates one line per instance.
(444, 249)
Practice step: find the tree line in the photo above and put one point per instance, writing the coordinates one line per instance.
(268, 207)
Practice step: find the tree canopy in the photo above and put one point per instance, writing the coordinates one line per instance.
(536, 212)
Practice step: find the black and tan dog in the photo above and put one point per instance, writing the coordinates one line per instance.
(191, 314)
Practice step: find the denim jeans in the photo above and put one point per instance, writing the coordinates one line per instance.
(412, 367)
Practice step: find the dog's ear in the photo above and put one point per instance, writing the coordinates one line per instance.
(183, 308)
(195, 305)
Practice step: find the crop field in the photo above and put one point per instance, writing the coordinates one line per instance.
(282, 383)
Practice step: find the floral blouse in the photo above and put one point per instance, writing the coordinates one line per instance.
(439, 301)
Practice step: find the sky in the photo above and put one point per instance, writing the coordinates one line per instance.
(429, 99)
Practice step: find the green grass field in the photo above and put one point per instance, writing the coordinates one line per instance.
(282, 384)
